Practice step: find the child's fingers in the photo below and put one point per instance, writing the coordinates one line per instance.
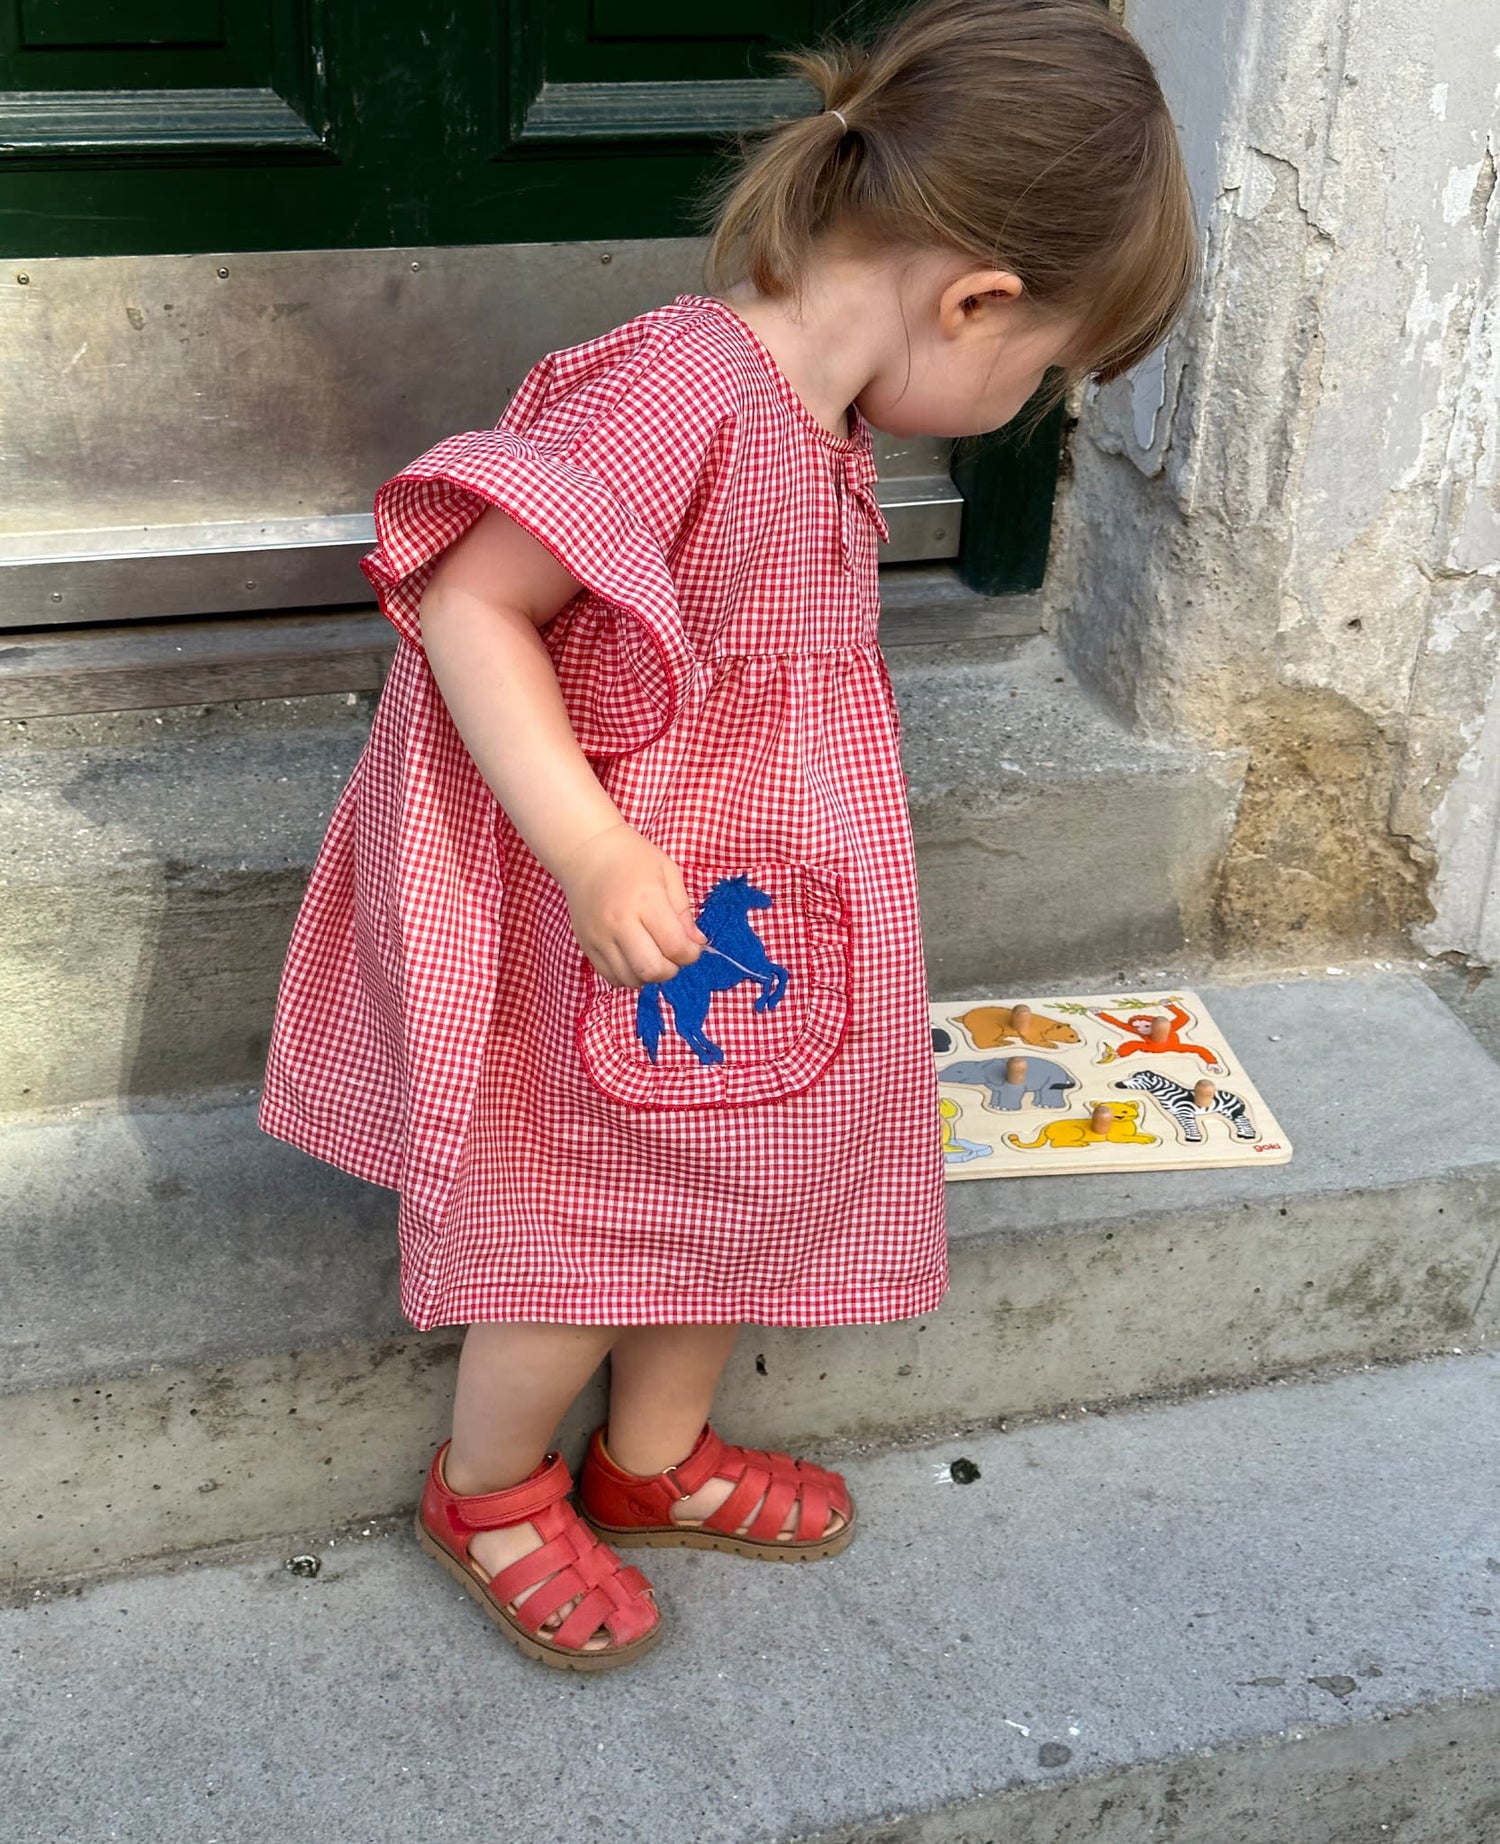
(671, 930)
(682, 903)
(602, 960)
(642, 959)
(608, 950)
(627, 955)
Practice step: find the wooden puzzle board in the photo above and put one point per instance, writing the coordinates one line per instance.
(1141, 1057)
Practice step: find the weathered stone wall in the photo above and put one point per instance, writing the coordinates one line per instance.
(1284, 531)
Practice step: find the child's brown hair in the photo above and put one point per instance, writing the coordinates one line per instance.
(1031, 135)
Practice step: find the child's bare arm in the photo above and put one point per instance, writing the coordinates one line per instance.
(489, 595)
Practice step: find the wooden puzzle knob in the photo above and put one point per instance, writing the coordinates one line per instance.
(1020, 1017)
(1203, 1094)
(1161, 1030)
(1099, 1120)
(1015, 1070)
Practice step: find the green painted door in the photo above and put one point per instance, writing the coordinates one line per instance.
(133, 126)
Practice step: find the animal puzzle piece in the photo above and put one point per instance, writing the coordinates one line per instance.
(957, 1151)
(1149, 1034)
(991, 1025)
(942, 1041)
(733, 952)
(1187, 1106)
(1008, 1080)
(1113, 1123)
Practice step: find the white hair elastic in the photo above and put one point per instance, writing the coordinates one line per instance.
(840, 114)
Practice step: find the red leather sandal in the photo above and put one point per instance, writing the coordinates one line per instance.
(634, 1510)
(571, 1562)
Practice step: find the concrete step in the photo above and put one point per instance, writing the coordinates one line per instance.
(151, 867)
(201, 1341)
(1241, 1620)
(1049, 839)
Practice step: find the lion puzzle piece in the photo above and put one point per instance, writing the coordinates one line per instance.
(1179, 1069)
(1115, 1123)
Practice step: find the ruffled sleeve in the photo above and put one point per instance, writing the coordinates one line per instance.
(600, 457)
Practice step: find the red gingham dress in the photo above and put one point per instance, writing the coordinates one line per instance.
(440, 1031)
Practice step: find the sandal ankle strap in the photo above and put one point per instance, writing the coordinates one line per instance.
(513, 1504)
(689, 1475)
(701, 1465)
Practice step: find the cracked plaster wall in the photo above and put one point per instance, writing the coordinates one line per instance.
(1283, 532)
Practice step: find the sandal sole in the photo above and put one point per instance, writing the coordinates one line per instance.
(558, 1658)
(658, 1536)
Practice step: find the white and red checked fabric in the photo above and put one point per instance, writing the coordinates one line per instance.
(565, 1151)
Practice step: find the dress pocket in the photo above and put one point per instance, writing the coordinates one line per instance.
(758, 1016)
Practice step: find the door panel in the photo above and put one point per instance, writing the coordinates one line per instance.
(204, 78)
(181, 125)
(89, 24)
(613, 71)
(683, 19)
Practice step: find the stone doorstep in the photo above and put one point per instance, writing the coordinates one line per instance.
(1241, 1620)
(150, 886)
(207, 1346)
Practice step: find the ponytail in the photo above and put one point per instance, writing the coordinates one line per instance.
(1030, 135)
(795, 185)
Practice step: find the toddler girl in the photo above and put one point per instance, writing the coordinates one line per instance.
(610, 963)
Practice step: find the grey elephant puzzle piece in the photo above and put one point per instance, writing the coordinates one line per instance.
(1048, 1082)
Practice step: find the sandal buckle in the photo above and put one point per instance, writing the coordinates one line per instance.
(669, 1473)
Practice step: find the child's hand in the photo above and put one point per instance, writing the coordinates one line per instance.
(629, 908)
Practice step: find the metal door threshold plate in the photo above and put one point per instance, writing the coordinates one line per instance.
(146, 573)
(204, 434)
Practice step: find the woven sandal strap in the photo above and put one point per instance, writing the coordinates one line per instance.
(815, 1513)
(766, 1487)
(781, 1494)
(623, 1617)
(516, 1504)
(596, 1609)
(750, 1484)
(574, 1564)
(538, 1569)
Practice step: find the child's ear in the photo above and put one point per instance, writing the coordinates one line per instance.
(974, 294)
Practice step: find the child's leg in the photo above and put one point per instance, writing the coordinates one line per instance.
(662, 1380)
(662, 1383)
(515, 1384)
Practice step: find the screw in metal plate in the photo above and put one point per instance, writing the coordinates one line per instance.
(23, 279)
(223, 274)
(606, 257)
(57, 595)
(250, 584)
(415, 267)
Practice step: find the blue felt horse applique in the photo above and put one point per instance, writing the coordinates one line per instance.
(734, 952)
